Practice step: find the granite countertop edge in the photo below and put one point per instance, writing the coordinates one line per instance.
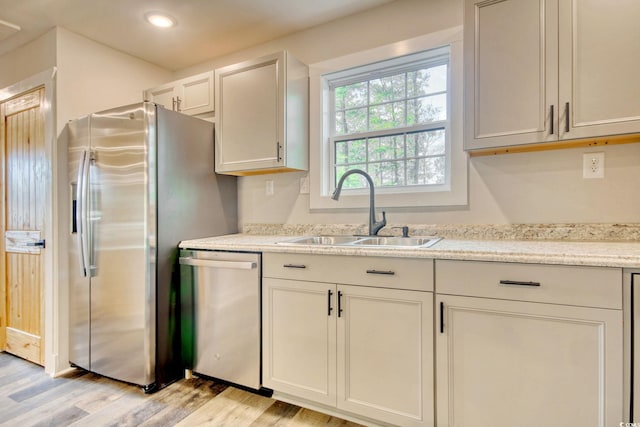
(623, 254)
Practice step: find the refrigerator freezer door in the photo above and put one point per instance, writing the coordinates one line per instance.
(635, 348)
(121, 249)
(79, 282)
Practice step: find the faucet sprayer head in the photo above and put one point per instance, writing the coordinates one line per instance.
(336, 194)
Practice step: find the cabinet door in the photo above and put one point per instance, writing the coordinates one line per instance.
(506, 363)
(299, 347)
(196, 94)
(250, 115)
(510, 72)
(599, 62)
(164, 95)
(385, 354)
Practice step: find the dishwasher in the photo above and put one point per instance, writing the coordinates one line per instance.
(221, 317)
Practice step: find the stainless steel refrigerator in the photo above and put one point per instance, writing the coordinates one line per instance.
(141, 180)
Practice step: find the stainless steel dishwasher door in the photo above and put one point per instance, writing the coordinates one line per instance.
(226, 313)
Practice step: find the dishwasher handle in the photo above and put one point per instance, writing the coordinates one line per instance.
(235, 265)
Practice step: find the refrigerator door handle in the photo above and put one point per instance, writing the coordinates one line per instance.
(81, 212)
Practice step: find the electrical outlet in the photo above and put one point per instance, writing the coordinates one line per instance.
(593, 165)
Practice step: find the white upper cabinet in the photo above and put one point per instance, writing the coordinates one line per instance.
(549, 70)
(510, 74)
(192, 95)
(262, 116)
(599, 62)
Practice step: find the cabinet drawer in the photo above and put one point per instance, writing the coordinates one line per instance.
(556, 284)
(397, 273)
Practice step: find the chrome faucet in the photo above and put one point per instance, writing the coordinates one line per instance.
(374, 226)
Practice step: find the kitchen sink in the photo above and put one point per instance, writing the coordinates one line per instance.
(379, 241)
(423, 242)
(323, 240)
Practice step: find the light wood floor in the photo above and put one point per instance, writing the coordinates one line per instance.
(29, 397)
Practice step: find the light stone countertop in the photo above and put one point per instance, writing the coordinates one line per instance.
(589, 253)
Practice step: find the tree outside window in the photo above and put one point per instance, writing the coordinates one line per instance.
(392, 123)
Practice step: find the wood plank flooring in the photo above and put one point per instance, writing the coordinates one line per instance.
(29, 397)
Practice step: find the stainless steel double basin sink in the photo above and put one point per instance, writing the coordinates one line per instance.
(370, 241)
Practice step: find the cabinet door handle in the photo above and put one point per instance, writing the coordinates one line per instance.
(178, 101)
(552, 115)
(330, 309)
(173, 100)
(519, 283)
(278, 148)
(566, 117)
(386, 273)
(339, 303)
(441, 317)
(294, 266)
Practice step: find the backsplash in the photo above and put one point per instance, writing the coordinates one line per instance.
(573, 232)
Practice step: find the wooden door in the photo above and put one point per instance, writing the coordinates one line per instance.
(24, 188)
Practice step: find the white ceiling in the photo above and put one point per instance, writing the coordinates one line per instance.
(206, 28)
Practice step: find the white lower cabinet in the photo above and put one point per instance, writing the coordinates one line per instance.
(361, 350)
(505, 363)
(524, 345)
(385, 354)
(299, 340)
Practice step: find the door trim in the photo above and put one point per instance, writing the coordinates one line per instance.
(55, 296)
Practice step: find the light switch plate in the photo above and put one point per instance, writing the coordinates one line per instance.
(304, 185)
(268, 188)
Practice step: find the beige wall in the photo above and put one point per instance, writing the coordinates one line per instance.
(519, 188)
(399, 20)
(90, 76)
(28, 60)
(93, 77)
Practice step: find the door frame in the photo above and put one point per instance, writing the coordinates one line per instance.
(54, 296)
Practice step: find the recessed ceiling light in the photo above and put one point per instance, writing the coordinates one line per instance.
(160, 19)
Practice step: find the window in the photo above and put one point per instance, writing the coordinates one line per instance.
(396, 113)
(391, 121)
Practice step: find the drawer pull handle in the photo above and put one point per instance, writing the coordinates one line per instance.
(386, 273)
(294, 266)
(518, 283)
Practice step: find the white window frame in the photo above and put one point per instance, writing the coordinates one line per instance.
(452, 193)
